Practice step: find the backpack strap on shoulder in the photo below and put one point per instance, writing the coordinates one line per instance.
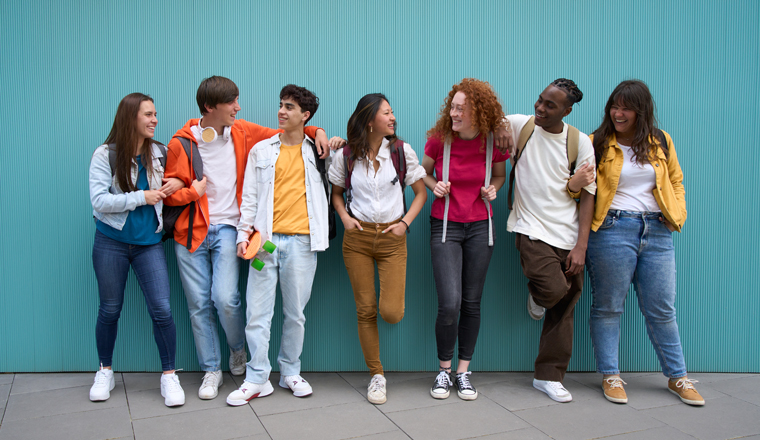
(399, 163)
(573, 137)
(525, 135)
(445, 178)
(489, 164)
(348, 169)
(112, 156)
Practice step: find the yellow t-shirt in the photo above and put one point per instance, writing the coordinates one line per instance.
(290, 215)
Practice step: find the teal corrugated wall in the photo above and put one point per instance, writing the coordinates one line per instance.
(64, 66)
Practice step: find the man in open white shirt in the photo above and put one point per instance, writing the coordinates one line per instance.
(552, 228)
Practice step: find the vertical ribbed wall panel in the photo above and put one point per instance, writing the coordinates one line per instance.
(61, 85)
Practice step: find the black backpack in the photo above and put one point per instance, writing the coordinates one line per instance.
(170, 214)
(322, 168)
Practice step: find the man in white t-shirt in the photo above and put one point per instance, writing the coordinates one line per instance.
(552, 228)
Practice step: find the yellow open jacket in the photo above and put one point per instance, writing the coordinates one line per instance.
(669, 191)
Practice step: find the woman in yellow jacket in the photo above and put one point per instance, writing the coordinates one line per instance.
(639, 203)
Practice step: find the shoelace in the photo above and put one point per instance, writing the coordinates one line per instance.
(209, 380)
(173, 383)
(376, 384)
(238, 357)
(100, 377)
(464, 381)
(558, 386)
(686, 384)
(443, 380)
(615, 382)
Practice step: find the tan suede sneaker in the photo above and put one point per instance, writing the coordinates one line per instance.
(684, 388)
(613, 390)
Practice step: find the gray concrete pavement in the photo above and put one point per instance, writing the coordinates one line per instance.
(56, 406)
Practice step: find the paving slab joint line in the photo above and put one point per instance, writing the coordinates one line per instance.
(5, 408)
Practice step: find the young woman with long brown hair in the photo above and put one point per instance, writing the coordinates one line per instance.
(126, 190)
(640, 201)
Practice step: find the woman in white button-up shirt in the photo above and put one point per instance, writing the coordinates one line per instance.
(376, 221)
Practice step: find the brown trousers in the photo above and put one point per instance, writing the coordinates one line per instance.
(361, 250)
(544, 266)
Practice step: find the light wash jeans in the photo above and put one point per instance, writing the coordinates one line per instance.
(293, 263)
(634, 247)
(210, 280)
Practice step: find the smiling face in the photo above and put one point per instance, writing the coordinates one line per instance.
(145, 124)
(222, 115)
(624, 119)
(290, 117)
(384, 123)
(552, 105)
(461, 117)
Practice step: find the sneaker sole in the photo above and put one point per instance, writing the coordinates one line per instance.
(467, 396)
(556, 399)
(687, 401)
(615, 399)
(295, 393)
(265, 392)
(238, 372)
(170, 403)
(533, 315)
(376, 401)
(216, 392)
(439, 395)
(106, 397)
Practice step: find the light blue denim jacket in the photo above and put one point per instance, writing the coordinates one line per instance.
(109, 204)
(257, 207)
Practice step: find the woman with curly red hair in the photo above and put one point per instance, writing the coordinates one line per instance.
(468, 173)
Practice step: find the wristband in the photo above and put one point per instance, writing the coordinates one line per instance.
(407, 224)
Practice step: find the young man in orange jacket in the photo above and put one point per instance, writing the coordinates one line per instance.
(206, 252)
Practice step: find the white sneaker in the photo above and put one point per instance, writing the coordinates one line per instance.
(104, 383)
(237, 362)
(376, 390)
(248, 391)
(209, 389)
(297, 384)
(171, 390)
(534, 310)
(555, 390)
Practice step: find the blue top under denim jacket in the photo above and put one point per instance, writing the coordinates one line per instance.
(109, 204)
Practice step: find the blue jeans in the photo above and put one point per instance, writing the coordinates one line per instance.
(634, 247)
(293, 263)
(111, 260)
(459, 268)
(210, 280)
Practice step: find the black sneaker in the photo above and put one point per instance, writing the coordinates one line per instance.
(441, 385)
(465, 390)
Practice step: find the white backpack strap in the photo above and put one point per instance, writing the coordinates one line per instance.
(445, 178)
(489, 159)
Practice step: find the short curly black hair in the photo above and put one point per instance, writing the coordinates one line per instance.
(572, 91)
(307, 100)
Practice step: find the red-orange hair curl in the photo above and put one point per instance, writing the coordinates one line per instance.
(482, 102)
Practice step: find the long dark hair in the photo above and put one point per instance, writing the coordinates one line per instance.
(124, 135)
(635, 95)
(357, 132)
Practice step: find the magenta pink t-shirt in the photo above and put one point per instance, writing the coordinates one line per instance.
(467, 171)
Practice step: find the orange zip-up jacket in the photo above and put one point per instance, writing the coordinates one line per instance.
(244, 136)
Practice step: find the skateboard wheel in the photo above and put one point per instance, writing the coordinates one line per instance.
(269, 246)
(257, 264)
